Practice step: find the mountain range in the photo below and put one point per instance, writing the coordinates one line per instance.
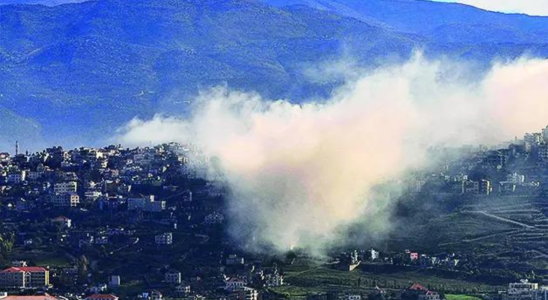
(73, 73)
(41, 2)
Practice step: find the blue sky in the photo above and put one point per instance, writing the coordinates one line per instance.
(531, 7)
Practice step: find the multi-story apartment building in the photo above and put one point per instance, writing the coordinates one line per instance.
(164, 239)
(24, 277)
(173, 277)
(66, 187)
(65, 199)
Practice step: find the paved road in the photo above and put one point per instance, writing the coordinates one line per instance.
(527, 226)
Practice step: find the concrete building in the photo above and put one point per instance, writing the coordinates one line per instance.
(246, 293)
(16, 177)
(430, 295)
(274, 279)
(114, 281)
(66, 187)
(234, 284)
(525, 290)
(24, 277)
(70, 199)
(214, 218)
(234, 260)
(374, 254)
(156, 295)
(172, 277)
(485, 187)
(183, 289)
(164, 239)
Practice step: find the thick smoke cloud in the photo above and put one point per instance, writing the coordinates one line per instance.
(301, 174)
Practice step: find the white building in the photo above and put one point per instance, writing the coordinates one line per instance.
(246, 293)
(525, 290)
(153, 295)
(19, 263)
(234, 260)
(164, 239)
(172, 277)
(114, 281)
(66, 187)
(374, 254)
(34, 175)
(234, 284)
(16, 177)
(515, 178)
(65, 199)
(214, 218)
(183, 289)
(430, 295)
(274, 279)
(101, 240)
(92, 195)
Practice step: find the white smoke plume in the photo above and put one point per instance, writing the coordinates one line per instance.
(300, 174)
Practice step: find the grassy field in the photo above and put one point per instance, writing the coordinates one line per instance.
(504, 232)
(460, 297)
(44, 257)
(130, 288)
(304, 280)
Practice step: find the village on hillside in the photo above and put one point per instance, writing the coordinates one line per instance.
(145, 223)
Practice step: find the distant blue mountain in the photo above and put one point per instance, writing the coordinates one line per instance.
(433, 19)
(73, 73)
(42, 2)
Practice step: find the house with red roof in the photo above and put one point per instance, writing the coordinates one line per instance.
(417, 287)
(4, 296)
(63, 221)
(418, 292)
(24, 277)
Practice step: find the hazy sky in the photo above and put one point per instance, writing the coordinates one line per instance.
(531, 7)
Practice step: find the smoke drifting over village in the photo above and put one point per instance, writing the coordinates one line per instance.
(300, 174)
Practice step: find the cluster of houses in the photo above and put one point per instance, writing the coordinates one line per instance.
(91, 200)
(478, 170)
(88, 177)
(413, 292)
(239, 280)
(351, 260)
(525, 290)
(70, 193)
